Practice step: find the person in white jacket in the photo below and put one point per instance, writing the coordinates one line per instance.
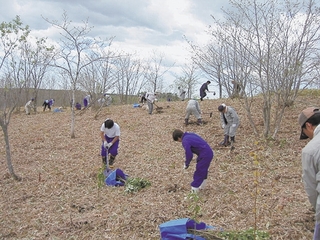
(229, 122)
(193, 108)
(309, 120)
(182, 93)
(29, 105)
(151, 98)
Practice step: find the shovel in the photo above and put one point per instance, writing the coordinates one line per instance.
(210, 114)
(107, 171)
(158, 108)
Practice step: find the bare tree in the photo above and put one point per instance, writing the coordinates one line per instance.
(36, 58)
(188, 79)
(76, 52)
(98, 77)
(129, 77)
(12, 35)
(154, 72)
(268, 48)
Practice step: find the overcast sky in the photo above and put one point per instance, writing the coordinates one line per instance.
(141, 26)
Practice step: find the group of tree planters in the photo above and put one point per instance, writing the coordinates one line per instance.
(48, 103)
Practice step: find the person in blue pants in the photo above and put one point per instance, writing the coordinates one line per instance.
(194, 144)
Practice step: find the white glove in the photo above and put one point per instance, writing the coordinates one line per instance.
(223, 126)
(109, 145)
(233, 125)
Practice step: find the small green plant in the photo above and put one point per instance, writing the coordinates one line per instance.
(250, 234)
(194, 206)
(282, 143)
(135, 184)
(101, 177)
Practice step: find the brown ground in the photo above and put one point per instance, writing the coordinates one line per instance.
(59, 198)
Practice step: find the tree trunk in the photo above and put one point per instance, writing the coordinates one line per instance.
(4, 127)
(73, 115)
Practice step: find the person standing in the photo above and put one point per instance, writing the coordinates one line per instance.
(309, 121)
(182, 93)
(203, 90)
(86, 101)
(236, 89)
(29, 105)
(194, 144)
(193, 108)
(151, 98)
(229, 122)
(110, 136)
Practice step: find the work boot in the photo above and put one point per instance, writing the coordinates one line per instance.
(232, 139)
(232, 143)
(186, 121)
(225, 142)
(199, 122)
(104, 160)
(111, 160)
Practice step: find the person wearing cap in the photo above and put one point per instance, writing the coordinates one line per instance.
(29, 105)
(194, 144)
(193, 108)
(309, 121)
(110, 136)
(203, 90)
(229, 122)
(151, 98)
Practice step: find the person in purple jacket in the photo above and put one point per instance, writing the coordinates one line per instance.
(194, 144)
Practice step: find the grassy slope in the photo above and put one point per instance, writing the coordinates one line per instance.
(58, 197)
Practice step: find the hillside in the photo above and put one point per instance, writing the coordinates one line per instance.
(59, 198)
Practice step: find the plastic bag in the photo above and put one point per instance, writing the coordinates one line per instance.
(115, 178)
(178, 229)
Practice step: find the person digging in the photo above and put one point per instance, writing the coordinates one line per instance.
(194, 144)
(110, 136)
(229, 122)
(193, 108)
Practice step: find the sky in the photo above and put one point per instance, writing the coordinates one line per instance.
(138, 26)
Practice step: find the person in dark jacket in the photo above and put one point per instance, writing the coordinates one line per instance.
(203, 90)
(194, 144)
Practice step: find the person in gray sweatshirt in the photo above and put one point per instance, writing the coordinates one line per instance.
(309, 121)
(193, 108)
(229, 122)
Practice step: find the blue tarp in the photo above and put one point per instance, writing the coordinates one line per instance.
(178, 229)
(114, 176)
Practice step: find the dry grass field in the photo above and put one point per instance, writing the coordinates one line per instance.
(58, 196)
